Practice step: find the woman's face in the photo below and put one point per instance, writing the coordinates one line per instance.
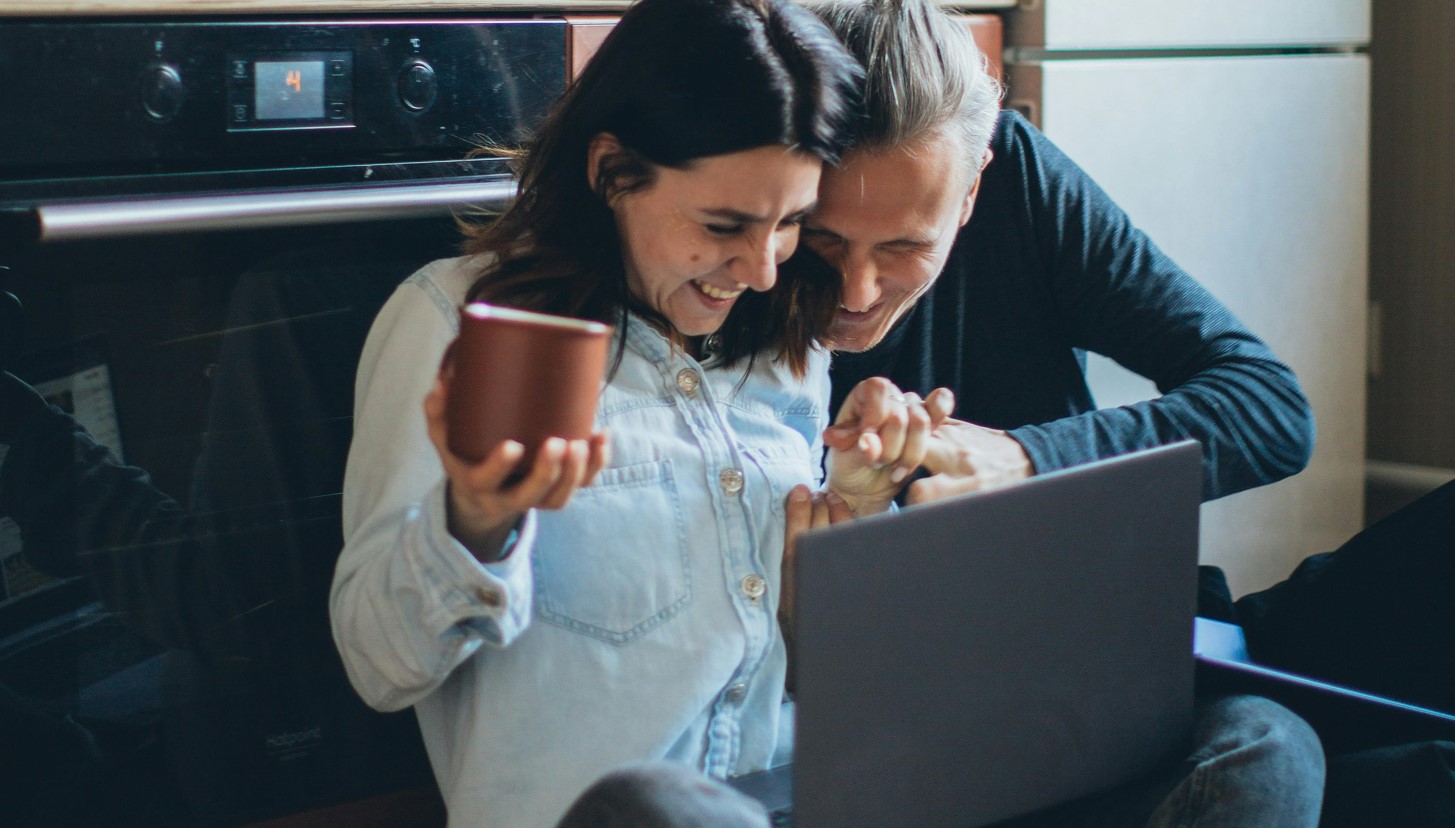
(697, 238)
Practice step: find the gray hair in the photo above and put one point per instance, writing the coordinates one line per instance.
(924, 74)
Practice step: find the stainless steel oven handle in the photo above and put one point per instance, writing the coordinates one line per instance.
(78, 221)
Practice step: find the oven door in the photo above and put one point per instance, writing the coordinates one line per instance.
(169, 526)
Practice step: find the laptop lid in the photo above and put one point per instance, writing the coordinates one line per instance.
(981, 657)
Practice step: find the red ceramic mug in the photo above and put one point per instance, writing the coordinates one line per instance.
(523, 376)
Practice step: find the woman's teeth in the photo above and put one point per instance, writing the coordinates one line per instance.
(716, 292)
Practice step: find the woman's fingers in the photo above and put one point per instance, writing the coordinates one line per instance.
(874, 406)
(545, 470)
(870, 446)
(841, 437)
(559, 468)
(492, 492)
(600, 449)
(807, 510)
(492, 472)
(573, 471)
(820, 516)
(893, 430)
(916, 441)
(838, 510)
(476, 509)
(886, 425)
(799, 511)
(485, 485)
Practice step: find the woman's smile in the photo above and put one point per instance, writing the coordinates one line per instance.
(717, 294)
(700, 236)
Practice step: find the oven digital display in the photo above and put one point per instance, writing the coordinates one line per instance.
(284, 91)
(288, 90)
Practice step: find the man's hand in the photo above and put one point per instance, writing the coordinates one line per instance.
(878, 439)
(964, 457)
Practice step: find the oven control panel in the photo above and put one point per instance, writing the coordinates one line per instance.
(290, 90)
(140, 97)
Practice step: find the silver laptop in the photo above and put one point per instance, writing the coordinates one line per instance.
(971, 660)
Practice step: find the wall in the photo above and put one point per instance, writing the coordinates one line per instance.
(1411, 437)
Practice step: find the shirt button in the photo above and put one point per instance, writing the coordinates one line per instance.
(737, 692)
(754, 586)
(731, 481)
(688, 380)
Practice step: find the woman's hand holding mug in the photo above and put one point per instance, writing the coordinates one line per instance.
(486, 499)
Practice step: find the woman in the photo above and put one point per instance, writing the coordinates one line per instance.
(542, 648)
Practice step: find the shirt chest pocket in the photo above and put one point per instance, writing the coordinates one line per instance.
(613, 564)
(783, 469)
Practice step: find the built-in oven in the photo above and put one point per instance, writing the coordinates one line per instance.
(198, 221)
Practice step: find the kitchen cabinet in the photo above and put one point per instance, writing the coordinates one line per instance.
(585, 34)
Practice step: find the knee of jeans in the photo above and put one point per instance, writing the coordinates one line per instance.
(662, 795)
(1268, 732)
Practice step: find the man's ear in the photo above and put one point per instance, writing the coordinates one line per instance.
(969, 206)
(603, 145)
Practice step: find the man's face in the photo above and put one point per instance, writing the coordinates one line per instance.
(886, 219)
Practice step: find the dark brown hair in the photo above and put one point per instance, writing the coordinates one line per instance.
(675, 81)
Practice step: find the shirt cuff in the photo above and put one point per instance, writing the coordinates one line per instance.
(492, 599)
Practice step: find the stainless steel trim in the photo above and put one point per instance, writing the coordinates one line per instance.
(191, 214)
(1022, 55)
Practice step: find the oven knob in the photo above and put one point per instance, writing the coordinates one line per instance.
(417, 86)
(162, 92)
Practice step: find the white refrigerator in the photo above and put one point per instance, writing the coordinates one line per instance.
(1236, 134)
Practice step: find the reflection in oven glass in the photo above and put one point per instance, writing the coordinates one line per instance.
(174, 434)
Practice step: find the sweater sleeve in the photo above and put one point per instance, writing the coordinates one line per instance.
(1120, 296)
(409, 603)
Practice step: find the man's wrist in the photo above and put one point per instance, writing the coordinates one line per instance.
(864, 505)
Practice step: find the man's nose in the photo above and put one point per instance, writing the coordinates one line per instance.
(861, 282)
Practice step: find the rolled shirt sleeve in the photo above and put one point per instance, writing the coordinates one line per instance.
(409, 603)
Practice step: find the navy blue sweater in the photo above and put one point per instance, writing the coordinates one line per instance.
(1048, 268)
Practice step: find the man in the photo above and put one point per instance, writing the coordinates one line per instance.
(978, 258)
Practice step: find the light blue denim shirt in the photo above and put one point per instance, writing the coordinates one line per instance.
(639, 622)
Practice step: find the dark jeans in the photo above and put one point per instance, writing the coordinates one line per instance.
(1409, 785)
(1252, 763)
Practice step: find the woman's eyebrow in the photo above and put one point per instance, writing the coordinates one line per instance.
(749, 218)
(803, 212)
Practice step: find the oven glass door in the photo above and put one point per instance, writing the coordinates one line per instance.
(169, 525)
